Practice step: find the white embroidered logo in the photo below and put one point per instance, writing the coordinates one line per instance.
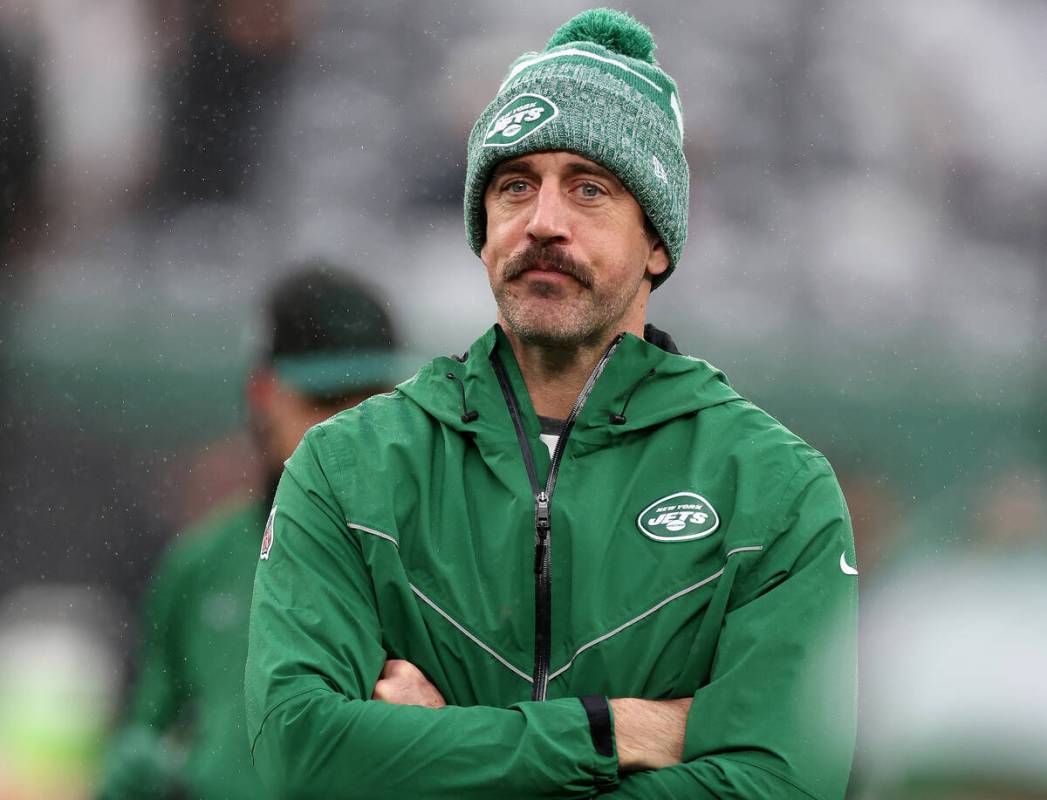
(678, 517)
(659, 170)
(519, 118)
(846, 568)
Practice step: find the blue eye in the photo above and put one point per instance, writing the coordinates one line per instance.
(516, 186)
(590, 190)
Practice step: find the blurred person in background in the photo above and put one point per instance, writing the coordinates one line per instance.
(572, 560)
(331, 345)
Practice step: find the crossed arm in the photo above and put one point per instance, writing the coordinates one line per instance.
(648, 733)
(773, 714)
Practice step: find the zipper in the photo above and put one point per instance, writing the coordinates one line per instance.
(542, 597)
(542, 510)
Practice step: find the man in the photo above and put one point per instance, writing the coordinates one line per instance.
(660, 604)
(332, 345)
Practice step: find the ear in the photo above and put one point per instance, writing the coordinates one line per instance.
(657, 259)
(260, 389)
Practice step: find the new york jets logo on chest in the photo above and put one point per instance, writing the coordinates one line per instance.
(678, 517)
(518, 119)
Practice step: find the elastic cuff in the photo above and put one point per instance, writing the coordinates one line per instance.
(601, 730)
(599, 714)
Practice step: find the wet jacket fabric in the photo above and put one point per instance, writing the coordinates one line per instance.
(184, 733)
(695, 548)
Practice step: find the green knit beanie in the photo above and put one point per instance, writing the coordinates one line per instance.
(596, 91)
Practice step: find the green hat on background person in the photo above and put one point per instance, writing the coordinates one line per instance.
(596, 90)
(331, 335)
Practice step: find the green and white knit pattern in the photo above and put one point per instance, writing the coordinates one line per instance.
(618, 109)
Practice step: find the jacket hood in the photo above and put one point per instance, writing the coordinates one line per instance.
(646, 382)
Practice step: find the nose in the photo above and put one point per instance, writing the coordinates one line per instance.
(549, 220)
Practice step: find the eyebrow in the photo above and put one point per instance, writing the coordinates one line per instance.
(520, 166)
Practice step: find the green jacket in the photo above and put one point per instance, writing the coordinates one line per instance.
(694, 546)
(189, 689)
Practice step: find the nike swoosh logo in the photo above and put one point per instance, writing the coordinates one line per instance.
(846, 568)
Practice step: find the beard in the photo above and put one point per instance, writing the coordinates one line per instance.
(550, 314)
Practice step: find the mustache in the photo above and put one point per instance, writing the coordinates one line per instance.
(548, 257)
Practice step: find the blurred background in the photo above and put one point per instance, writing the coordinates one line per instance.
(868, 261)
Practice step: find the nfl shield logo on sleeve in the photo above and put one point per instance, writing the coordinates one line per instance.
(267, 537)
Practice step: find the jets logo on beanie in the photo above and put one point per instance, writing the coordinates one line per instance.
(596, 90)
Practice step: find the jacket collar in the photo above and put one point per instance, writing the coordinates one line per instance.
(644, 381)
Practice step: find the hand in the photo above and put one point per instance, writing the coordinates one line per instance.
(402, 683)
(649, 733)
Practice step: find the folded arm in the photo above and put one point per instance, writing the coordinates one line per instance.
(774, 719)
(648, 734)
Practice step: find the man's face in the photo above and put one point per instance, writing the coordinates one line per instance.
(280, 414)
(567, 252)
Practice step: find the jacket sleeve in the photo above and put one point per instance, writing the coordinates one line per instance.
(159, 687)
(315, 653)
(778, 716)
(138, 763)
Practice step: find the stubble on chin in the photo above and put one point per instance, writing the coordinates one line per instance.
(551, 315)
(554, 314)
(546, 313)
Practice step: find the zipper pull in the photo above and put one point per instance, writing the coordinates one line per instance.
(541, 527)
(542, 512)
